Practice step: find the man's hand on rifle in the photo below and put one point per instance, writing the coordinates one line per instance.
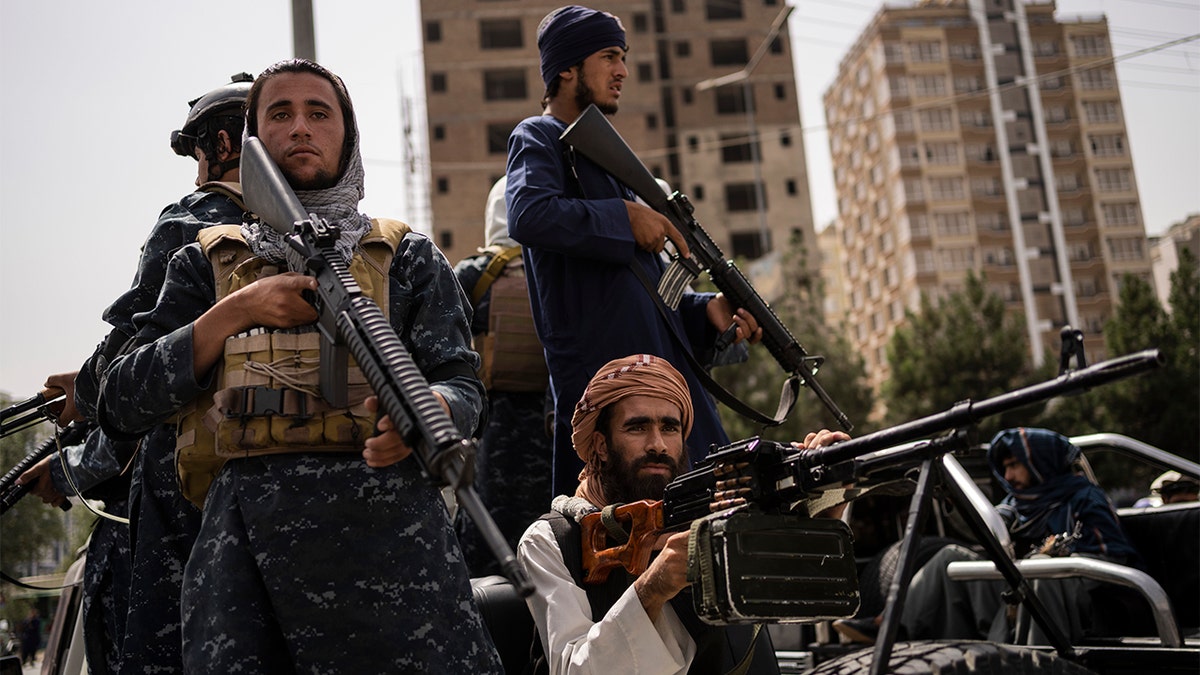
(388, 447)
(65, 411)
(722, 314)
(651, 229)
(666, 575)
(43, 487)
(820, 439)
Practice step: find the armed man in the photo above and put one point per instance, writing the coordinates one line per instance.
(586, 240)
(629, 429)
(320, 550)
(144, 562)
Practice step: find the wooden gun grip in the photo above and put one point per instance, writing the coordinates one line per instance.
(643, 520)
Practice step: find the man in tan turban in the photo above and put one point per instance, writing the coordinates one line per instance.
(629, 428)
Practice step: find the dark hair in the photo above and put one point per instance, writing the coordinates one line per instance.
(304, 66)
(207, 140)
(604, 420)
(556, 84)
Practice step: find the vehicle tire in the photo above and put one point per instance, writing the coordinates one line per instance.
(958, 657)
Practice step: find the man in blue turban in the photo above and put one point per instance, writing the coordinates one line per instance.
(584, 234)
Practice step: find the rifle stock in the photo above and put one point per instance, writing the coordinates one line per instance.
(349, 318)
(595, 138)
(773, 475)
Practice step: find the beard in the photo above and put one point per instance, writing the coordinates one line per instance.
(622, 483)
(321, 180)
(584, 97)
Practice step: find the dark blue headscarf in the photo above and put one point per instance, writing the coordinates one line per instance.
(570, 34)
(1058, 497)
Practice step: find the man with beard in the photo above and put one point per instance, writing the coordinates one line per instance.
(320, 548)
(629, 429)
(586, 240)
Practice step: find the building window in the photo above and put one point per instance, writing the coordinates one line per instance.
(785, 139)
(497, 137)
(683, 49)
(893, 52)
(945, 188)
(437, 82)
(731, 101)
(445, 239)
(1057, 114)
(698, 192)
(941, 153)
(640, 23)
(991, 221)
(678, 6)
(955, 224)
(742, 197)
(1114, 180)
(1001, 257)
(1045, 48)
(439, 132)
(433, 31)
(728, 52)
(693, 143)
(1122, 213)
(736, 148)
(936, 119)
(500, 34)
(958, 258)
(1089, 45)
(986, 186)
(1126, 248)
(925, 52)
(1112, 145)
(746, 245)
(898, 86)
(1066, 182)
(914, 190)
(722, 10)
(651, 121)
(902, 120)
(967, 84)
(791, 187)
(967, 51)
(687, 95)
(443, 185)
(1101, 112)
(776, 45)
(645, 72)
(980, 119)
(504, 85)
(1097, 78)
(780, 92)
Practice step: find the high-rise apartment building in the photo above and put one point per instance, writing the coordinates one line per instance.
(482, 77)
(984, 135)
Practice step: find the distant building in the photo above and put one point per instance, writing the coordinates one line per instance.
(983, 135)
(482, 77)
(1164, 253)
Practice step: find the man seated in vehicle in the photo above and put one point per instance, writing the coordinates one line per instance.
(1051, 511)
(629, 429)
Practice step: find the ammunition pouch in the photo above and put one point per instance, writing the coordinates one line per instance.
(267, 396)
(752, 567)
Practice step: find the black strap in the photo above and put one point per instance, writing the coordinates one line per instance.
(787, 395)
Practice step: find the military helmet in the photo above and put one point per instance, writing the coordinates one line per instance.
(227, 100)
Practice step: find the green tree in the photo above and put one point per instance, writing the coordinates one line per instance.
(1161, 408)
(968, 345)
(758, 381)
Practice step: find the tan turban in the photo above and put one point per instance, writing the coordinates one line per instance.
(638, 375)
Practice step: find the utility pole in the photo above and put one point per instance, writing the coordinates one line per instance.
(304, 41)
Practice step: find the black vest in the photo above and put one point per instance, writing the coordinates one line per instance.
(718, 648)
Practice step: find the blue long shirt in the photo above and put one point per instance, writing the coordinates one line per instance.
(588, 306)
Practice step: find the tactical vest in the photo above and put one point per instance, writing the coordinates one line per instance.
(511, 354)
(266, 399)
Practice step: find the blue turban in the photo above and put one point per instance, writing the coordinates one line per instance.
(570, 34)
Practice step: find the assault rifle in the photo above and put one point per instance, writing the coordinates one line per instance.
(762, 477)
(595, 138)
(351, 322)
(10, 493)
(35, 409)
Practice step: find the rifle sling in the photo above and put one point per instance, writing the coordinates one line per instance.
(787, 395)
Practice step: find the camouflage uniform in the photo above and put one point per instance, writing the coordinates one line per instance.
(512, 467)
(316, 562)
(163, 525)
(95, 466)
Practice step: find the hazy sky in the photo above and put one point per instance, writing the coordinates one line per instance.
(93, 93)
